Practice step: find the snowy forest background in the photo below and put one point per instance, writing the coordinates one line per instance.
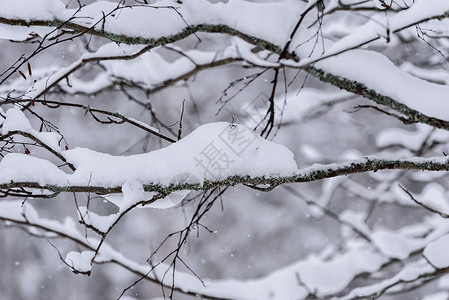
(312, 138)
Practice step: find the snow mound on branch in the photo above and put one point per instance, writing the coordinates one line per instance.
(15, 120)
(436, 252)
(19, 167)
(80, 262)
(213, 151)
(31, 9)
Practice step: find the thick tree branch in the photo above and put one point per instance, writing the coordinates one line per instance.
(310, 174)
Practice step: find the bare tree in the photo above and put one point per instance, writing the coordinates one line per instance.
(280, 149)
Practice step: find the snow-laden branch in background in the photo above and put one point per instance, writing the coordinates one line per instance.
(167, 19)
(370, 74)
(270, 22)
(324, 274)
(377, 84)
(24, 214)
(150, 71)
(281, 284)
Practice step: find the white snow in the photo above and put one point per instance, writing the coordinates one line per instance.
(378, 73)
(328, 277)
(407, 138)
(143, 124)
(434, 196)
(395, 244)
(102, 223)
(377, 26)
(80, 261)
(16, 120)
(218, 150)
(273, 23)
(15, 33)
(436, 252)
(238, 14)
(24, 168)
(409, 273)
(41, 10)
(150, 69)
(442, 295)
(356, 220)
(212, 151)
(436, 75)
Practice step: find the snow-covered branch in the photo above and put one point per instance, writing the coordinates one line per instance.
(94, 172)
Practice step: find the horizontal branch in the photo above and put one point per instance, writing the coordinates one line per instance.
(309, 174)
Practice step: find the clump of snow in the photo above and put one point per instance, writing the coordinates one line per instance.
(17, 121)
(356, 220)
(24, 168)
(436, 252)
(17, 210)
(395, 244)
(15, 33)
(80, 261)
(266, 20)
(31, 10)
(213, 151)
(14, 210)
(143, 124)
(132, 192)
(171, 200)
(380, 74)
(149, 68)
(102, 223)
